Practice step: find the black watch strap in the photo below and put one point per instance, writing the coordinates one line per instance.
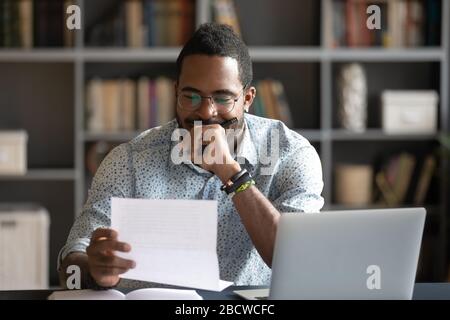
(240, 181)
(234, 178)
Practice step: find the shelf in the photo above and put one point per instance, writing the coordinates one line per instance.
(38, 55)
(383, 54)
(91, 55)
(158, 54)
(258, 54)
(43, 174)
(286, 54)
(376, 134)
(311, 135)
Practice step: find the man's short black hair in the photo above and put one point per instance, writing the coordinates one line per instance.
(214, 39)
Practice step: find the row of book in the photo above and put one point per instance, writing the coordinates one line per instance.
(271, 101)
(34, 23)
(405, 178)
(145, 23)
(404, 23)
(118, 105)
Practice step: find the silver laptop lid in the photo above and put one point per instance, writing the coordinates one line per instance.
(355, 254)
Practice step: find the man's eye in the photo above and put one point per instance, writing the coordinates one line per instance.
(222, 100)
(191, 96)
(194, 98)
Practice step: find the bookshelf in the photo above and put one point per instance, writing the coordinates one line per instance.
(289, 46)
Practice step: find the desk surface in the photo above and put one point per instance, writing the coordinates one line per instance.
(422, 291)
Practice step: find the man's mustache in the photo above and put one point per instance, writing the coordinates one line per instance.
(204, 122)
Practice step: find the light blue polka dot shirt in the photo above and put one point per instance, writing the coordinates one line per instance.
(142, 168)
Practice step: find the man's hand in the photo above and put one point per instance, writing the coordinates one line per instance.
(104, 266)
(216, 156)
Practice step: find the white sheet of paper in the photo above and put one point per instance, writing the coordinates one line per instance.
(172, 241)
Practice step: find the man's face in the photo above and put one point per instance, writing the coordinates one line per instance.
(203, 75)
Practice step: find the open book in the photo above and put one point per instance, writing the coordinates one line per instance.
(140, 294)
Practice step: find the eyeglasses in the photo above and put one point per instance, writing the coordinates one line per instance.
(191, 101)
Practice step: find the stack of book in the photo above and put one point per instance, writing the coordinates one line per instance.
(404, 23)
(123, 105)
(271, 101)
(29, 23)
(145, 23)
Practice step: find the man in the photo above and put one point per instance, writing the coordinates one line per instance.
(213, 86)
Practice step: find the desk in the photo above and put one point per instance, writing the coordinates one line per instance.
(422, 291)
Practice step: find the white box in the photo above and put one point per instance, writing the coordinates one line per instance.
(409, 112)
(24, 247)
(13, 152)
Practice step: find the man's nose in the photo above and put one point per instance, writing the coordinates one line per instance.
(207, 110)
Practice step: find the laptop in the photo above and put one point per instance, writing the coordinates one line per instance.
(354, 254)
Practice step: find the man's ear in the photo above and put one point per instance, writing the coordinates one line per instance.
(249, 97)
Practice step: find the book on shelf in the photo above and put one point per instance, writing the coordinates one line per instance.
(271, 101)
(405, 178)
(225, 13)
(124, 105)
(34, 23)
(404, 23)
(394, 179)
(423, 184)
(144, 23)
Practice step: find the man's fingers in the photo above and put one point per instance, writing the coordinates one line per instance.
(104, 233)
(113, 262)
(102, 246)
(108, 271)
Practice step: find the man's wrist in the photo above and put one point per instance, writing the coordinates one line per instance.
(226, 171)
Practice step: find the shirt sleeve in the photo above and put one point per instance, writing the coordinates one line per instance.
(298, 182)
(112, 179)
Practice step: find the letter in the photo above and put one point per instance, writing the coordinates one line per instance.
(230, 309)
(73, 21)
(178, 310)
(270, 308)
(205, 311)
(181, 152)
(198, 139)
(274, 148)
(373, 21)
(374, 280)
(208, 157)
(74, 280)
